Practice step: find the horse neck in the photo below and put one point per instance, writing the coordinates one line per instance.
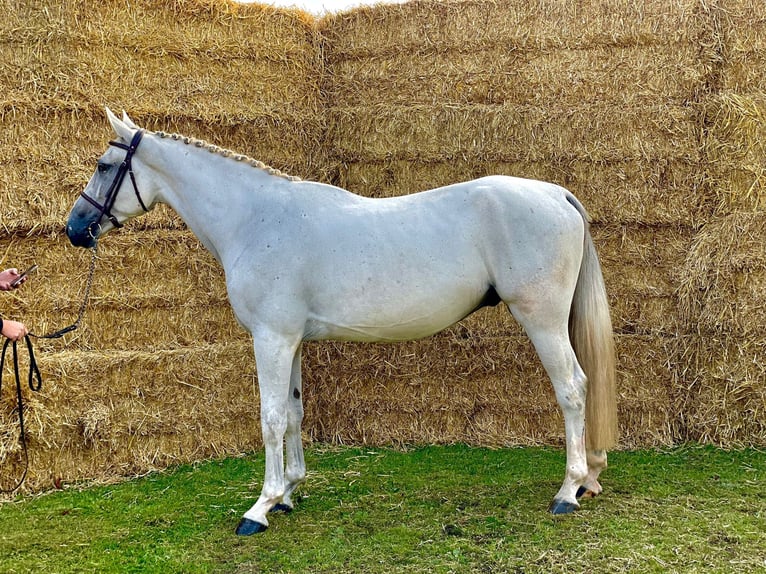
(217, 198)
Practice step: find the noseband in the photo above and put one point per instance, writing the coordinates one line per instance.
(125, 168)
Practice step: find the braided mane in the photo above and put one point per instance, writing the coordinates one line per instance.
(228, 153)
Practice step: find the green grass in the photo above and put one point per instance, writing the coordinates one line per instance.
(432, 509)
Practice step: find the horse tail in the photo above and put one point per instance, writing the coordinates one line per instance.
(590, 331)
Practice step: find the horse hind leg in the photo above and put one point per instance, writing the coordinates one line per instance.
(549, 334)
(596, 464)
(570, 394)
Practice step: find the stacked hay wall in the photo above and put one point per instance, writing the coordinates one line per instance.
(723, 285)
(651, 113)
(160, 372)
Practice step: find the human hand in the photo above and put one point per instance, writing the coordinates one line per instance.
(9, 276)
(14, 330)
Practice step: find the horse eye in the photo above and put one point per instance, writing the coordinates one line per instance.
(102, 167)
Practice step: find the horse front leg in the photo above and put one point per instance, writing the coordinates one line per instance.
(274, 360)
(295, 465)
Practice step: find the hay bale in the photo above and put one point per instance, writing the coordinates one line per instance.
(720, 380)
(723, 396)
(642, 271)
(250, 70)
(242, 77)
(497, 73)
(488, 390)
(647, 390)
(508, 132)
(386, 101)
(164, 274)
(430, 25)
(723, 283)
(480, 390)
(144, 411)
(48, 168)
(742, 27)
(422, 96)
(734, 150)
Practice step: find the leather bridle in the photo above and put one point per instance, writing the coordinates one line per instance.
(125, 168)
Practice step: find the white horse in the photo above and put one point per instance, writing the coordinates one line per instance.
(308, 261)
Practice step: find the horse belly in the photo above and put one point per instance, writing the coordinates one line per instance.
(396, 317)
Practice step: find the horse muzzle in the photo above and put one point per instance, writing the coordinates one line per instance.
(83, 232)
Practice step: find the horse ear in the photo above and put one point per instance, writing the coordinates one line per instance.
(128, 122)
(120, 128)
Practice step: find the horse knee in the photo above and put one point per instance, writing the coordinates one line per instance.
(273, 425)
(295, 415)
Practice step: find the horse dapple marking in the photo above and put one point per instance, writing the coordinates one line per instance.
(307, 261)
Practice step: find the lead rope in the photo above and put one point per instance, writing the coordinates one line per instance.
(35, 384)
(35, 379)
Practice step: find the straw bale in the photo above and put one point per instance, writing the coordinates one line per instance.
(244, 77)
(642, 268)
(725, 398)
(512, 133)
(192, 26)
(153, 408)
(643, 191)
(742, 25)
(499, 75)
(205, 55)
(646, 384)
(76, 75)
(480, 390)
(144, 411)
(734, 149)
(649, 112)
(723, 282)
(430, 25)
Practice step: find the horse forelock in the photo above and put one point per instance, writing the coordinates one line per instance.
(227, 153)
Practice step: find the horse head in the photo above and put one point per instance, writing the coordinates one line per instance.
(101, 207)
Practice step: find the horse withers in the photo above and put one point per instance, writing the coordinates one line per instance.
(308, 261)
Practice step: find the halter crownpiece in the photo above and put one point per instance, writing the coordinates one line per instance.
(125, 168)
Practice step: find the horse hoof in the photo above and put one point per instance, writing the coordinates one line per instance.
(282, 507)
(247, 527)
(562, 507)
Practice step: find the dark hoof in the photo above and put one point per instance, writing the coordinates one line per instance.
(281, 507)
(562, 507)
(247, 527)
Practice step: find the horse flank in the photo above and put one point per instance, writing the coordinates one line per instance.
(228, 154)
